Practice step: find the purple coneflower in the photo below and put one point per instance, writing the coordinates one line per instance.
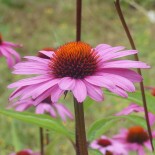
(135, 139)
(136, 108)
(46, 106)
(25, 152)
(77, 67)
(6, 50)
(108, 146)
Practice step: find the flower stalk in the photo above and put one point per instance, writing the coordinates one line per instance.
(119, 11)
(81, 142)
(41, 141)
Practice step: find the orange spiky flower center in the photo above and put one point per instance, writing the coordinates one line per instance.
(48, 49)
(74, 59)
(104, 142)
(24, 152)
(1, 40)
(137, 134)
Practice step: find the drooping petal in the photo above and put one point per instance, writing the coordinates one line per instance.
(94, 92)
(119, 92)
(63, 111)
(30, 81)
(125, 64)
(67, 83)
(43, 96)
(6, 43)
(42, 88)
(111, 56)
(23, 107)
(10, 60)
(41, 60)
(129, 74)
(56, 92)
(79, 91)
(101, 47)
(14, 53)
(120, 81)
(100, 81)
(111, 50)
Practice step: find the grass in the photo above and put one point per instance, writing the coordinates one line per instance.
(38, 24)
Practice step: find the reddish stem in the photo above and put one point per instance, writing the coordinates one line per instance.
(41, 141)
(81, 142)
(119, 11)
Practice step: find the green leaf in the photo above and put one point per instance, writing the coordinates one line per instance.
(94, 152)
(136, 97)
(15, 137)
(101, 126)
(43, 121)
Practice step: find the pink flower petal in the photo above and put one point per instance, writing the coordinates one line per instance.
(67, 83)
(80, 91)
(43, 96)
(101, 47)
(30, 81)
(56, 92)
(111, 56)
(14, 53)
(129, 74)
(10, 60)
(49, 54)
(100, 81)
(35, 58)
(63, 111)
(94, 92)
(6, 43)
(42, 88)
(120, 81)
(125, 64)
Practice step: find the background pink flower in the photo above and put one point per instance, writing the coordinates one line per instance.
(46, 106)
(6, 50)
(135, 139)
(108, 146)
(136, 108)
(77, 67)
(25, 152)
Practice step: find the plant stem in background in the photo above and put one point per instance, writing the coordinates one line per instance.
(81, 142)
(41, 141)
(47, 137)
(119, 11)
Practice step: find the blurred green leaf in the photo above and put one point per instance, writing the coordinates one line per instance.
(136, 97)
(101, 126)
(43, 121)
(15, 138)
(94, 152)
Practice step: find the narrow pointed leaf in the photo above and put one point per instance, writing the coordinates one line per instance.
(43, 121)
(103, 125)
